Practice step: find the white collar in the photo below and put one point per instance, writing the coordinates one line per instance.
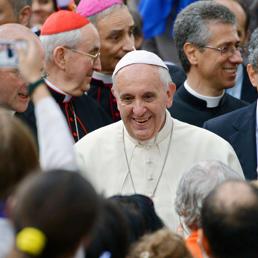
(53, 87)
(106, 78)
(210, 101)
(162, 134)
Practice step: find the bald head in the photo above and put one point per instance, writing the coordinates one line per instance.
(15, 31)
(229, 220)
(13, 88)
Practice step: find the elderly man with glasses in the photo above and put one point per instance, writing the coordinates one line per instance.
(72, 47)
(209, 49)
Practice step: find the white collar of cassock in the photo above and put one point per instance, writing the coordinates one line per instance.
(106, 78)
(162, 135)
(211, 101)
(53, 87)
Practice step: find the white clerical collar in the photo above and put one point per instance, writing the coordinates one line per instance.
(53, 87)
(162, 134)
(106, 78)
(211, 101)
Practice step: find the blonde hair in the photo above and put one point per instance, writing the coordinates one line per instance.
(160, 244)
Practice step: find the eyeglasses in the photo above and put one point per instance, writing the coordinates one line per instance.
(94, 57)
(227, 50)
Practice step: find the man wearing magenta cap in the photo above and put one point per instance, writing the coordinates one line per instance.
(148, 150)
(72, 46)
(115, 26)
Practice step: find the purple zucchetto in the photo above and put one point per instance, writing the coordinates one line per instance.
(88, 8)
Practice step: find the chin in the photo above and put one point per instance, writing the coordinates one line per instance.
(20, 109)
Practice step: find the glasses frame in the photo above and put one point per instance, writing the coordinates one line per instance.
(226, 50)
(94, 57)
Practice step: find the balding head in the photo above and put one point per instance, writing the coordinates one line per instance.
(230, 220)
(13, 90)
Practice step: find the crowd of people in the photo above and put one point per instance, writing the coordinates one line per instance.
(111, 148)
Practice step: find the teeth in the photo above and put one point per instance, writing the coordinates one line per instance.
(141, 121)
(23, 95)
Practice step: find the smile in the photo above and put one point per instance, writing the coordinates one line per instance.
(141, 121)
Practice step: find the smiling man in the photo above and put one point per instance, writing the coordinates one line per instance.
(208, 46)
(147, 151)
(71, 45)
(115, 26)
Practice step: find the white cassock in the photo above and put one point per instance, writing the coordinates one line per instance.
(116, 163)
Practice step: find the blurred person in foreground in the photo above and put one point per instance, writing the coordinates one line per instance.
(53, 213)
(160, 244)
(18, 151)
(193, 187)
(229, 219)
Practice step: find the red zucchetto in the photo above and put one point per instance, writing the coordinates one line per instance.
(63, 21)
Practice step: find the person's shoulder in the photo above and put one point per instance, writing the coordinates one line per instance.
(238, 103)
(195, 133)
(226, 118)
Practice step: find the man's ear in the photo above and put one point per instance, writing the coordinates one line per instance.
(253, 75)
(170, 94)
(190, 51)
(25, 15)
(59, 57)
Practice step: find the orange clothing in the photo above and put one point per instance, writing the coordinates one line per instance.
(193, 246)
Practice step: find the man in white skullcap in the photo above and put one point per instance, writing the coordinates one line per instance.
(147, 151)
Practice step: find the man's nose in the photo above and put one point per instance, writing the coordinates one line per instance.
(128, 44)
(139, 108)
(97, 65)
(236, 57)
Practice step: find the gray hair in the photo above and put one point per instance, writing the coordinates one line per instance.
(192, 22)
(163, 73)
(195, 185)
(95, 18)
(253, 50)
(50, 42)
(17, 5)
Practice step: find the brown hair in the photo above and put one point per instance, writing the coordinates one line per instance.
(161, 244)
(18, 152)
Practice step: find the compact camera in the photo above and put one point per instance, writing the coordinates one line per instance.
(8, 54)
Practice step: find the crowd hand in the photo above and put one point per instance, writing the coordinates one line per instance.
(30, 62)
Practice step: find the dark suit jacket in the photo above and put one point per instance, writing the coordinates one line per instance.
(248, 92)
(239, 129)
(193, 110)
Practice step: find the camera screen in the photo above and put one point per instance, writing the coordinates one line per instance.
(8, 55)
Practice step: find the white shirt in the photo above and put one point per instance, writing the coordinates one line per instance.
(101, 155)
